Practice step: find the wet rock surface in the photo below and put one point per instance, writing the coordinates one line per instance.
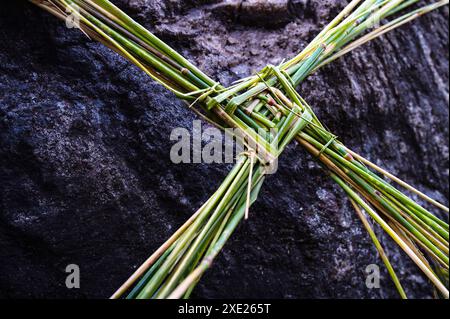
(85, 173)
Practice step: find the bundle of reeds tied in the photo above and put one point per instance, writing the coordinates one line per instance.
(267, 114)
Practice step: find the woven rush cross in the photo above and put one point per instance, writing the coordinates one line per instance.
(268, 113)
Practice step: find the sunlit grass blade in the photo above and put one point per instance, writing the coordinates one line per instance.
(380, 250)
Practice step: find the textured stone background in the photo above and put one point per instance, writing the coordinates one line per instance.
(85, 174)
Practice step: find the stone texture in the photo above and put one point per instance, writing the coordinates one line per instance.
(85, 173)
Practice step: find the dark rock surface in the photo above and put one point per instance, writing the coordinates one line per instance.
(85, 173)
